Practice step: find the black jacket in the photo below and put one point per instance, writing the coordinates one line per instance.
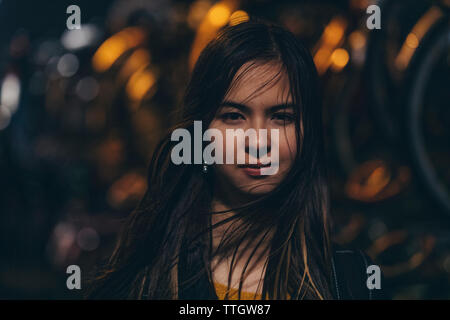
(350, 276)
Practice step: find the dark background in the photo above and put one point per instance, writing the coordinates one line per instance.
(76, 137)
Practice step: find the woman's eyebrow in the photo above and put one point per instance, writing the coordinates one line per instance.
(245, 108)
(282, 106)
(236, 105)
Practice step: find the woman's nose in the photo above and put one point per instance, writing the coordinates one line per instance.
(257, 150)
(260, 146)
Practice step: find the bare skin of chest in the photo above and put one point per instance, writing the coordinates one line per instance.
(254, 274)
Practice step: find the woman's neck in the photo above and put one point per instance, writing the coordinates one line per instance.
(226, 212)
(220, 265)
(222, 211)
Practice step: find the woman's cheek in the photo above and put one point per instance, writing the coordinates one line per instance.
(230, 144)
(287, 149)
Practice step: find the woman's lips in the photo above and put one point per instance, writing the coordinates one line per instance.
(253, 170)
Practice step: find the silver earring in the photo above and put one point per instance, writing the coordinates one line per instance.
(205, 168)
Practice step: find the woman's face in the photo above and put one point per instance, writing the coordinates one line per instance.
(246, 108)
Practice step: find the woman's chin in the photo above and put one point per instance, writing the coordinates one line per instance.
(256, 190)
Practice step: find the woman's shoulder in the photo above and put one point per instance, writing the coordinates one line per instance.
(351, 272)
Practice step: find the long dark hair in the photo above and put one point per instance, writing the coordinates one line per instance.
(164, 249)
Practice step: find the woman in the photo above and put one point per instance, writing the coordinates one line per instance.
(226, 230)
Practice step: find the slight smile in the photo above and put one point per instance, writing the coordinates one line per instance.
(253, 170)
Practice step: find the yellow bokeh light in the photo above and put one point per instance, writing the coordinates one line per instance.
(197, 12)
(378, 179)
(140, 58)
(139, 84)
(334, 32)
(412, 41)
(416, 35)
(110, 50)
(218, 15)
(339, 59)
(238, 17)
(321, 60)
(115, 46)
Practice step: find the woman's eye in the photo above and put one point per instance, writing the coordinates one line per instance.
(283, 117)
(232, 116)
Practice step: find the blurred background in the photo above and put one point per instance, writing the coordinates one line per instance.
(82, 110)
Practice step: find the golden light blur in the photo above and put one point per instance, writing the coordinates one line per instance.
(140, 84)
(339, 59)
(139, 59)
(217, 17)
(238, 17)
(413, 39)
(197, 11)
(374, 181)
(110, 50)
(322, 59)
(332, 37)
(219, 14)
(399, 237)
(334, 32)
